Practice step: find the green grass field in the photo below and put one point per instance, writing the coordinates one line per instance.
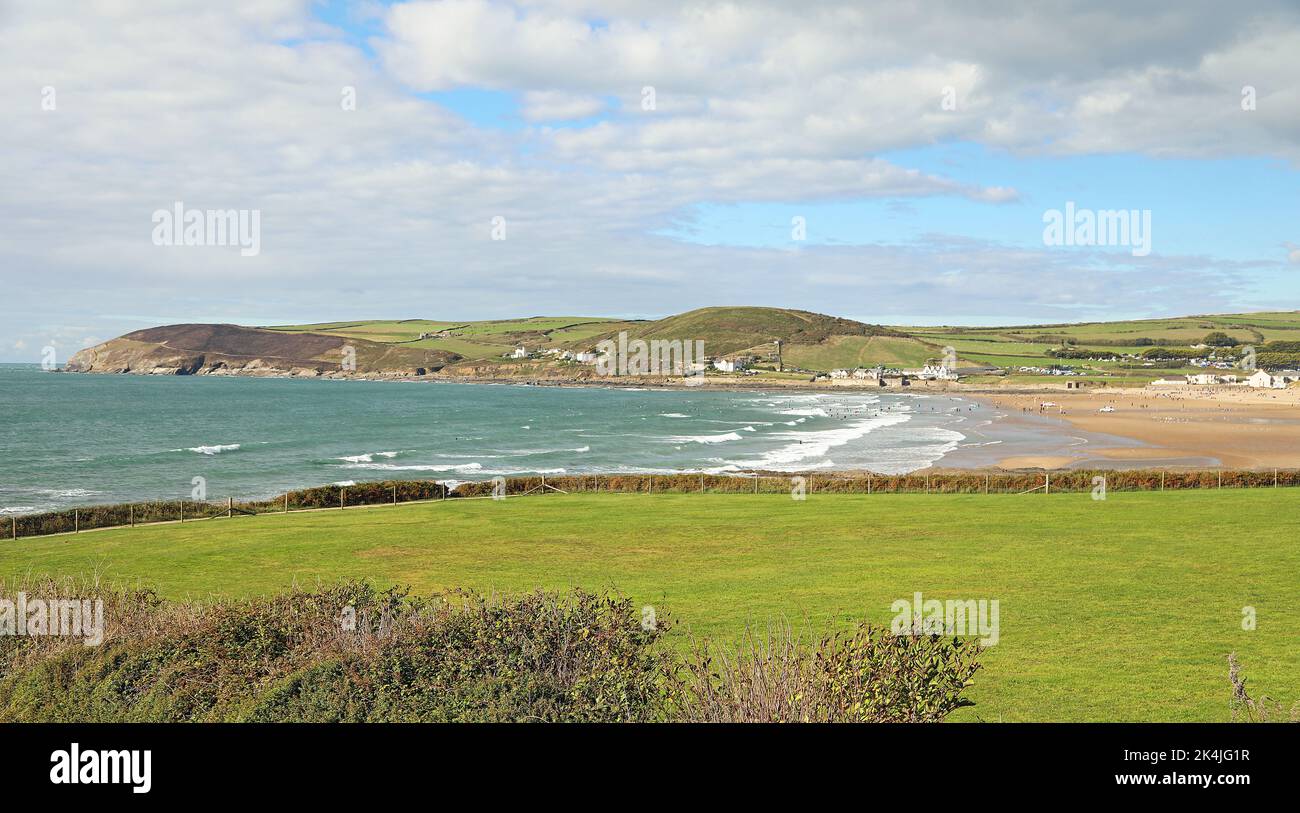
(1118, 610)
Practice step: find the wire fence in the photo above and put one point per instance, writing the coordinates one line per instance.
(392, 492)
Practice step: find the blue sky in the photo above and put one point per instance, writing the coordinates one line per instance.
(472, 110)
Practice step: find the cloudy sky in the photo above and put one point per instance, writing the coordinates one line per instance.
(890, 164)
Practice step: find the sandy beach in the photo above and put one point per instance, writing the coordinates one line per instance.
(1175, 426)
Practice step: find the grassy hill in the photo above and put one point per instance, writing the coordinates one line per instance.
(1105, 613)
(470, 340)
(809, 340)
(1028, 345)
(227, 349)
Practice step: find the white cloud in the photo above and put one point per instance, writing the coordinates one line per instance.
(388, 207)
(549, 105)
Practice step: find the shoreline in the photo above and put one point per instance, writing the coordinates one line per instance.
(1175, 427)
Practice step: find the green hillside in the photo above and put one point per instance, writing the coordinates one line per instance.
(811, 341)
(1029, 345)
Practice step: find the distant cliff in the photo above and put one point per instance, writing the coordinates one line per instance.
(235, 350)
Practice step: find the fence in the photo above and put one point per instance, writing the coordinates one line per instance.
(394, 492)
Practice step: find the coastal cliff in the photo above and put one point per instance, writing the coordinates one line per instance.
(235, 350)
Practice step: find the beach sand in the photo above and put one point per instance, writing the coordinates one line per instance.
(1176, 426)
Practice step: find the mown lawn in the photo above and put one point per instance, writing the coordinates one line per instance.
(1118, 610)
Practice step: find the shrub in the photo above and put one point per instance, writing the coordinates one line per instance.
(351, 653)
(455, 657)
(869, 676)
(1247, 709)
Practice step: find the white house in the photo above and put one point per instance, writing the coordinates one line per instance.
(520, 353)
(730, 365)
(1278, 379)
(585, 358)
(1176, 381)
(937, 372)
(839, 373)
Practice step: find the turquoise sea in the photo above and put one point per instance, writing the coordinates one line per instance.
(73, 439)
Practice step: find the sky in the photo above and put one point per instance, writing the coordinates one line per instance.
(473, 159)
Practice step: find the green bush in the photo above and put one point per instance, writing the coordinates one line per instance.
(351, 653)
(869, 676)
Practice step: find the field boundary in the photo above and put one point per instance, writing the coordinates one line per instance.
(796, 485)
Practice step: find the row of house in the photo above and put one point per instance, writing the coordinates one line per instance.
(726, 365)
(1264, 379)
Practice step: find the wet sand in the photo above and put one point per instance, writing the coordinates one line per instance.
(1172, 427)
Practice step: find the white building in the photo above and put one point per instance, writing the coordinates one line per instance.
(585, 358)
(937, 372)
(730, 365)
(839, 373)
(1278, 379)
(520, 353)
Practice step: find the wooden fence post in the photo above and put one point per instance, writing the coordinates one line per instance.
(394, 494)
(230, 507)
(1274, 478)
(755, 483)
(868, 482)
(13, 525)
(986, 484)
(1047, 483)
(76, 521)
(182, 505)
(343, 490)
(701, 482)
(1220, 473)
(131, 514)
(1162, 481)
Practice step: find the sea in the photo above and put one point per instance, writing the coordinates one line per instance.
(69, 439)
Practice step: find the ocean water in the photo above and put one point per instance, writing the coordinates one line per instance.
(69, 439)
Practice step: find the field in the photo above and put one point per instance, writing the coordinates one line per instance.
(473, 340)
(1027, 345)
(1123, 609)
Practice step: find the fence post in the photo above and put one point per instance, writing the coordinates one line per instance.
(76, 521)
(13, 525)
(1047, 483)
(182, 505)
(230, 507)
(130, 510)
(343, 490)
(755, 483)
(1162, 481)
(868, 482)
(1220, 473)
(986, 484)
(394, 494)
(1274, 478)
(701, 482)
